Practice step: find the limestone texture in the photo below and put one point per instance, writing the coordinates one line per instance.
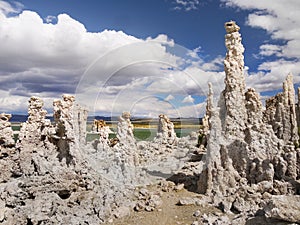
(250, 151)
(125, 130)
(284, 208)
(165, 130)
(47, 179)
(103, 130)
(233, 98)
(281, 113)
(6, 132)
(37, 127)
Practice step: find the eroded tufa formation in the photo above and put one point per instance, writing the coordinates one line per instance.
(37, 128)
(234, 117)
(244, 153)
(165, 130)
(125, 130)
(6, 132)
(103, 130)
(281, 113)
(70, 124)
(46, 179)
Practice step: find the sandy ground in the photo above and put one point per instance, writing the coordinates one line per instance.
(169, 213)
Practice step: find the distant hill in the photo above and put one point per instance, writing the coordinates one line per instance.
(22, 118)
(105, 118)
(18, 118)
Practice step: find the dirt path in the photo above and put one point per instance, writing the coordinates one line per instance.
(169, 213)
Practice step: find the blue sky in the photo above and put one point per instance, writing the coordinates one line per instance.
(147, 57)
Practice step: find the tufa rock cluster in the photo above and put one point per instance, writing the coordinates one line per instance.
(6, 132)
(280, 113)
(252, 153)
(46, 178)
(125, 130)
(165, 130)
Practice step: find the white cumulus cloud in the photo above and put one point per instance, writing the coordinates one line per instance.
(108, 71)
(280, 19)
(188, 99)
(169, 98)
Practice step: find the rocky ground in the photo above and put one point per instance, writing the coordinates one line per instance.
(176, 206)
(180, 206)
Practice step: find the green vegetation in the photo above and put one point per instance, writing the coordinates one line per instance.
(144, 134)
(15, 127)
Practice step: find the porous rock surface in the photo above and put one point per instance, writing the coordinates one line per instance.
(281, 113)
(103, 130)
(53, 177)
(125, 130)
(165, 131)
(248, 159)
(6, 132)
(46, 179)
(130, 162)
(284, 208)
(234, 117)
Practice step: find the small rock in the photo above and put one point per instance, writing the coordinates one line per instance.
(187, 201)
(165, 183)
(2, 210)
(225, 206)
(144, 192)
(285, 208)
(149, 208)
(139, 206)
(121, 212)
(196, 213)
(265, 186)
(179, 187)
(195, 223)
(155, 200)
(266, 195)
